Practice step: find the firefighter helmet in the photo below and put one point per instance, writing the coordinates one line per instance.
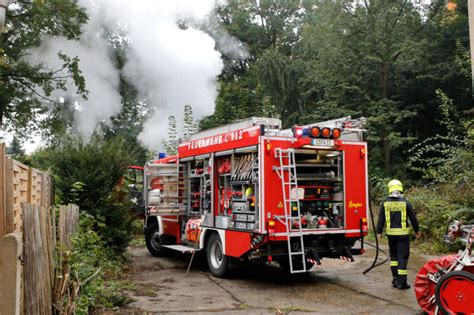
(395, 185)
(249, 191)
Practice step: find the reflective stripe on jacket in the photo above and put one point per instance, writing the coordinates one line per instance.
(394, 214)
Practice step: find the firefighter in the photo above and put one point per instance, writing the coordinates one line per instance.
(395, 212)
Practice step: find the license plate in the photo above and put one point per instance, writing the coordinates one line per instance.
(322, 142)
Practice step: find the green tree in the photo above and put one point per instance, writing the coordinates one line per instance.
(25, 88)
(247, 87)
(15, 148)
(171, 145)
(135, 110)
(189, 126)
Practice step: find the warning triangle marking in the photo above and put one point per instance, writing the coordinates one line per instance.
(280, 204)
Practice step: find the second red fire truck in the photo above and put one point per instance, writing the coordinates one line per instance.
(253, 191)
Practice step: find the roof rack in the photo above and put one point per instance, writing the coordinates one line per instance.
(241, 124)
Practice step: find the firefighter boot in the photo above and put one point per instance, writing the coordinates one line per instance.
(394, 269)
(394, 282)
(402, 282)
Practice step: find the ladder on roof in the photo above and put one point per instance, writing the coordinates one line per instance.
(291, 204)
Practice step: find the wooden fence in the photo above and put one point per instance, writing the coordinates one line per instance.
(20, 183)
(26, 209)
(46, 275)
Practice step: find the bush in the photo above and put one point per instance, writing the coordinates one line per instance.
(87, 174)
(446, 162)
(97, 267)
(436, 206)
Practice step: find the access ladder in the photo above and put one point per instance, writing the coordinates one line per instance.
(289, 183)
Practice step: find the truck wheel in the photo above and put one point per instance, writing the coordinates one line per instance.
(455, 293)
(285, 264)
(216, 259)
(154, 241)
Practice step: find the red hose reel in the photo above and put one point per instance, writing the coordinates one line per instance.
(452, 292)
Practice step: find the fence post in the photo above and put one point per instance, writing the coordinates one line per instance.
(3, 213)
(10, 274)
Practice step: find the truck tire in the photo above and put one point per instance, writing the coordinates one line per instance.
(216, 259)
(285, 264)
(154, 241)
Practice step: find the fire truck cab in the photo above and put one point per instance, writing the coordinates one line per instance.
(252, 191)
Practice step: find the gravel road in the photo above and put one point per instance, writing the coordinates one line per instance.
(335, 287)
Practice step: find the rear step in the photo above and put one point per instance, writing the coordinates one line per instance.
(180, 248)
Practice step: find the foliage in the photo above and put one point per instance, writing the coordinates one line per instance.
(446, 160)
(438, 205)
(97, 267)
(317, 60)
(189, 127)
(137, 232)
(88, 174)
(447, 156)
(25, 87)
(171, 145)
(15, 149)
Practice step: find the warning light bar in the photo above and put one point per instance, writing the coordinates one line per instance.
(316, 132)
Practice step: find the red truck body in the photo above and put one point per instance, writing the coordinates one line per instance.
(294, 195)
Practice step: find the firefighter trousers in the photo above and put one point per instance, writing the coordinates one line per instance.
(399, 254)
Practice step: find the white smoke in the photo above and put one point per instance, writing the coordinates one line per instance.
(101, 76)
(169, 65)
(170, 61)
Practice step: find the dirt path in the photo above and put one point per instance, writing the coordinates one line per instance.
(334, 287)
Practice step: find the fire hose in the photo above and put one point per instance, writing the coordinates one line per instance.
(376, 246)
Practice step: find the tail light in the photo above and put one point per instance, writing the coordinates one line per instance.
(364, 224)
(326, 132)
(315, 132)
(336, 133)
(271, 228)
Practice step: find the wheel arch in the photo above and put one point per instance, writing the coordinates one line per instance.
(149, 220)
(206, 233)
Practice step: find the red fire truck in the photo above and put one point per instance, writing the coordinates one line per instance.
(252, 191)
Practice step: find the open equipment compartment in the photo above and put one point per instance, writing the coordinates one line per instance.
(237, 182)
(320, 188)
(165, 189)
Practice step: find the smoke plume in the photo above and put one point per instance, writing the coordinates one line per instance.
(170, 60)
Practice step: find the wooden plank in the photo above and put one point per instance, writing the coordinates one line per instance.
(51, 243)
(36, 186)
(46, 259)
(37, 284)
(9, 200)
(46, 196)
(62, 225)
(20, 181)
(28, 187)
(68, 219)
(3, 211)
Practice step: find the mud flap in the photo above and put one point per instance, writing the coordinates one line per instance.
(314, 257)
(348, 255)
